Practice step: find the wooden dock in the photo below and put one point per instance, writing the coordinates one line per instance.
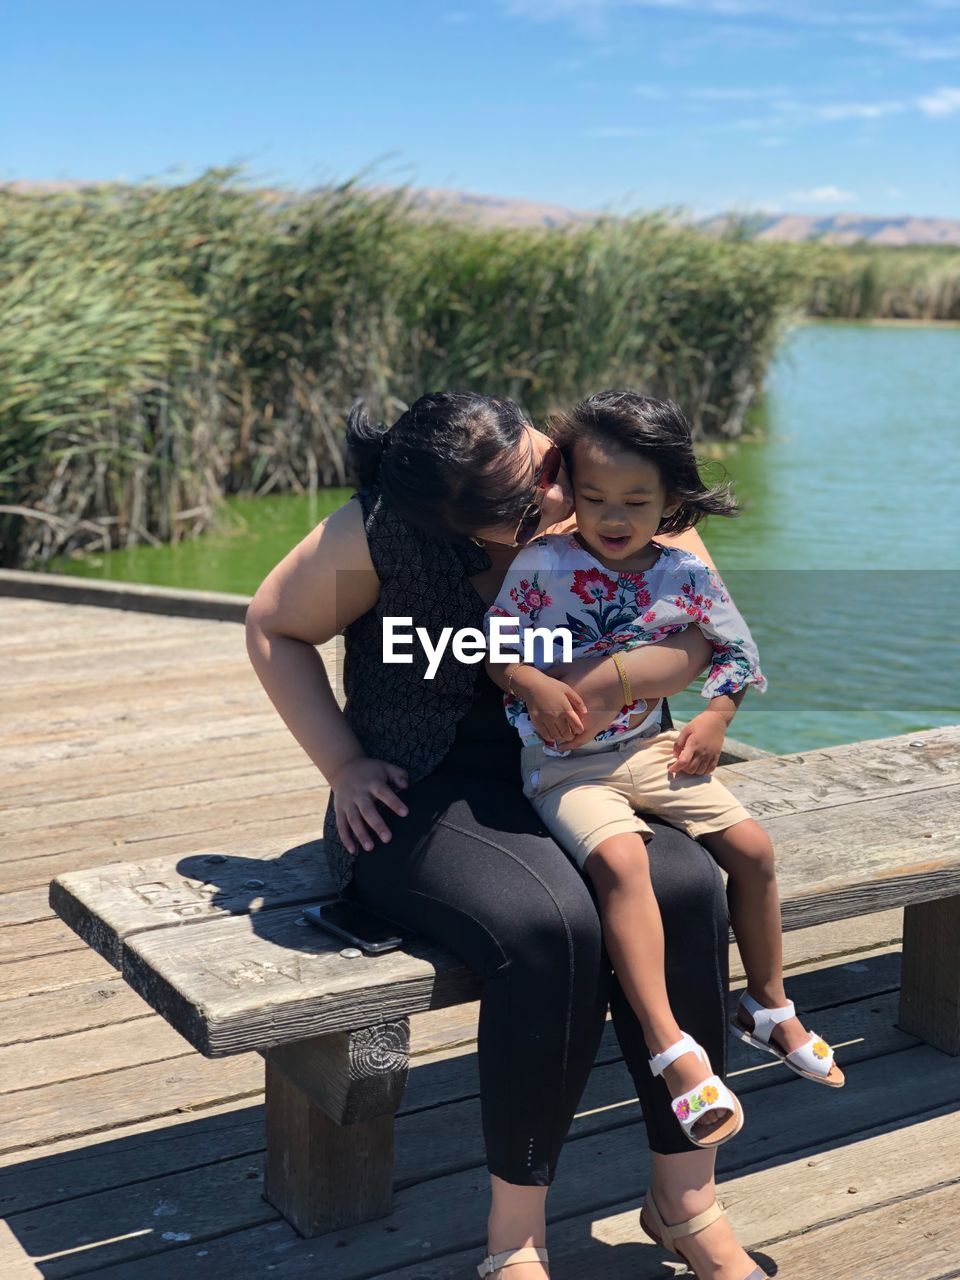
(124, 1154)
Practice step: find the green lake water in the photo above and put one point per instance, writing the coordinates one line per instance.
(844, 562)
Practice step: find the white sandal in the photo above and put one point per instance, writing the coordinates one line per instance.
(494, 1261)
(710, 1094)
(813, 1060)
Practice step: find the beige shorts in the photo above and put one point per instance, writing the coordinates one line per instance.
(585, 798)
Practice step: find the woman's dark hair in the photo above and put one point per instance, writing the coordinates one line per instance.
(449, 463)
(656, 430)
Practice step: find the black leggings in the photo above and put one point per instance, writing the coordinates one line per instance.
(473, 868)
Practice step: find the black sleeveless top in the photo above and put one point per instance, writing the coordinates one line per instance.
(396, 714)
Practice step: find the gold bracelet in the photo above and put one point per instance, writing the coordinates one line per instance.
(513, 692)
(624, 679)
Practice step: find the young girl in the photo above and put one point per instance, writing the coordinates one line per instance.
(634, 475)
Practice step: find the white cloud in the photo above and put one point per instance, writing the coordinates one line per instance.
(823, 195)
(912, 47)
(944, 102)
(788, 112)
(783, 109)
(857, 110)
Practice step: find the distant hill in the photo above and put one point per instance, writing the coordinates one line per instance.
(838, 228)
(504, 211)
(847, 228)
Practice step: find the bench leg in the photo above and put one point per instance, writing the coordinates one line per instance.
(930, 982)
(330, 1107)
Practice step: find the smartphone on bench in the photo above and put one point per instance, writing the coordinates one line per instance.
(358, 925)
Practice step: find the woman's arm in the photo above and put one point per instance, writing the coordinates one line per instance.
(325, 582)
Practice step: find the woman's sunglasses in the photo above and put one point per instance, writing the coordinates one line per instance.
(546, 475)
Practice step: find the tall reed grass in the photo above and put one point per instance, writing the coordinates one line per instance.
(865, 282)
(162, 346)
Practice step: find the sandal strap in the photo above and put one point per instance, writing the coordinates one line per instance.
(686, 1044)
(764, 1020)
(676, 1229)
(816, 1055)
(494, 1261)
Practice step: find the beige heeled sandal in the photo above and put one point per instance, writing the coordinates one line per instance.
(665, 1236)
(494, 1261)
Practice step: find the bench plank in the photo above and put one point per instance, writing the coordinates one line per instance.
(109, 904)
(253, 982)
(851, 839)
(241, 983)
(869, 770)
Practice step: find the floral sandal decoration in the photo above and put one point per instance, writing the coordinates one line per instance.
(813, 1060)
(710, 1094)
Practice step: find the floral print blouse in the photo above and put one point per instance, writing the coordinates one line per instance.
(555, 582)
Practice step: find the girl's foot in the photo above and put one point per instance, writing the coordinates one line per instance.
(775, 1029)
(685, 1073)
(787, 1035)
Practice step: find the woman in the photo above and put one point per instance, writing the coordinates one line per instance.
(427, 823)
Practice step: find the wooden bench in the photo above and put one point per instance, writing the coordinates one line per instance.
(219, 947)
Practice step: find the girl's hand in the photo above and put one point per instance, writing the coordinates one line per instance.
(602, 700)
(698, 745)
(555, 709)
(356, 787)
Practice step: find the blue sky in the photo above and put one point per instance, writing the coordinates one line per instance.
(799, 105)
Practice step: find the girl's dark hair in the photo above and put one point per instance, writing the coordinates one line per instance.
(449, 463)
(656, 430)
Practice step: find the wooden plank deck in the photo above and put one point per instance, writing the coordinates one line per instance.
(126, 1154)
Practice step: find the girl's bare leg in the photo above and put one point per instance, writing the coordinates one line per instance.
(517, 1219)
(633, 935)
(745, 852)
(683, 1186)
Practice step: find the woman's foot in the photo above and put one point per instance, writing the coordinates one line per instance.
(518, 1270)
(517, 1220)
(713, 1253)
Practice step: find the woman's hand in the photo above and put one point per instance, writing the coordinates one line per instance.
(698, 744)
(356, 787)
